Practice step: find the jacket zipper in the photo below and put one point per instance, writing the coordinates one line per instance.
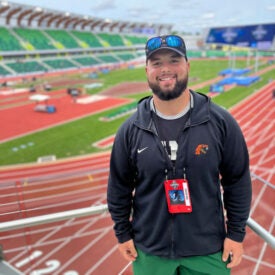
(173, 165)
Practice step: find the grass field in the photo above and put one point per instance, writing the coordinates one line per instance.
(76, 138)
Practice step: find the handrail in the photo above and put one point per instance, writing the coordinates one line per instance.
(263, 180)
(263, 233)
(22, 223)
(65, 215)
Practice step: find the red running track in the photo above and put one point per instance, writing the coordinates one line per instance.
(22, 120)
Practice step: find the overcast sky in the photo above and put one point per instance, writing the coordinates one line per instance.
(184, 15)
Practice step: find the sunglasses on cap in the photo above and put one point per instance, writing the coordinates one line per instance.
(172, 42)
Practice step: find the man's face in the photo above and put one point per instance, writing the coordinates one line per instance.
(167, 74)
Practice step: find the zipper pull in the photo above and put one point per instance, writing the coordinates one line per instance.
(166, 174)
(174, 170)
(184, 173)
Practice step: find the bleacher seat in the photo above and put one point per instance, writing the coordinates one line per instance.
(64, 39)
(108, 58)
(8, 42)
(89, 38)
(3, 71)
(35, 37)
(60, 63)
(86, 61)
(136, 40)
(22, 67)
(112, 39)
(125, 56)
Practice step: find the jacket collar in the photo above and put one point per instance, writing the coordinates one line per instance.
(200, 112)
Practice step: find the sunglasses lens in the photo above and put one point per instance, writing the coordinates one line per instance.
(168, 41)
(154, 43)
(173, 41)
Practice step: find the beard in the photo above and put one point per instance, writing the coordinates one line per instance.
(178, 90)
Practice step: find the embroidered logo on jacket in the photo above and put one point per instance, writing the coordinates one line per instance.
(141, 150)
(201, 149)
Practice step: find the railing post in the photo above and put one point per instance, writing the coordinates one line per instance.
(6, 268)
(264, 234)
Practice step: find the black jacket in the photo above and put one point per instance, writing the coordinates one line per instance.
(214, 153)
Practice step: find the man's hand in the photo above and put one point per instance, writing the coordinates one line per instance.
(234, 250)
(128, 250)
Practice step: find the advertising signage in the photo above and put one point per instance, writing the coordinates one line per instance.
(254, 36)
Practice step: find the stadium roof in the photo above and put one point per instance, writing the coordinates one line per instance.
(189, 16)
(13, 14)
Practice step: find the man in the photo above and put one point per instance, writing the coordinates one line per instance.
(167, 166)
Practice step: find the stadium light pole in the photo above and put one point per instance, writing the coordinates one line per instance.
(256, 61)
(248, 57)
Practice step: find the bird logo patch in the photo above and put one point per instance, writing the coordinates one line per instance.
(201, 149)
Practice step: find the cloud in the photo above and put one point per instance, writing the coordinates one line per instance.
(208, 15)
(232, 19)
(145, 13)
(271, 8)
(104, 5)
(137, 11)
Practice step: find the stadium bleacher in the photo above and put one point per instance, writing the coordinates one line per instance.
(34, 39)
(23, 67)
(42, 45)
(8, 42)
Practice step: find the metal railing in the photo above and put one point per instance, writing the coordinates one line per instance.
(93, 210)
(60, 216)
(22, 223)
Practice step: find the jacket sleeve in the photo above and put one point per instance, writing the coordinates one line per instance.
(236, 180)
(120, 187)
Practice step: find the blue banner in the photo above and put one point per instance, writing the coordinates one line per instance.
(254, 36)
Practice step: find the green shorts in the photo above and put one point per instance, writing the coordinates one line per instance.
(196, 265)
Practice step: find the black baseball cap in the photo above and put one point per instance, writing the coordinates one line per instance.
(172, 42)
